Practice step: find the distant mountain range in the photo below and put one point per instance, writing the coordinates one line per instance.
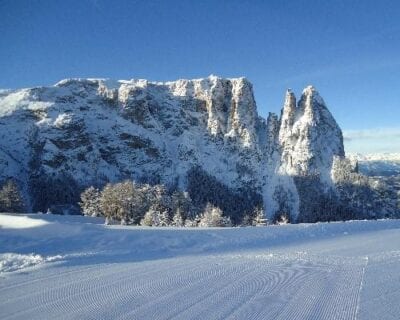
(201, 135)
(379, 164)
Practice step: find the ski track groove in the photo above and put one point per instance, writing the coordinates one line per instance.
(77, 287)
(303, 281)
(220, 282)
(180, 290)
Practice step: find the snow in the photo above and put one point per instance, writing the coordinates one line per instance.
(208, 122)
(10, 262)
(20, 222)
(378, 164)
(73, 267)
(62, 120)
(384, 156)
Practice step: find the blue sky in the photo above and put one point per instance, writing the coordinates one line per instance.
(349, 50)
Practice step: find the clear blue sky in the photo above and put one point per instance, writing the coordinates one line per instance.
(349, 50)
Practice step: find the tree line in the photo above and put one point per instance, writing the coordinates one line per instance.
(128, 202)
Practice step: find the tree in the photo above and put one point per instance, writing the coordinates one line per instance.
(90, 202)
(151, 218)
(212, 217)
(192, 222)
(165, 220)
(177, 220)
(147, 219)
(259, 219)
(47, 190)
(124, 201)
(181, 201)
(247, 220)
(109, 204)
(283, 219)
(11, 199)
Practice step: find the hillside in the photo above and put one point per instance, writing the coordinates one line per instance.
(203, 136)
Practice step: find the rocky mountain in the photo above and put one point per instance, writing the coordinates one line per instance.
(202, 135)
(379, 164)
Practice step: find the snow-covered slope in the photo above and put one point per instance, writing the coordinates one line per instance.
(73, 267)
(57, 140)
(379, 164)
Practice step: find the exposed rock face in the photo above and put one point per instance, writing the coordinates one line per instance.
(80, 132)
(309, 136)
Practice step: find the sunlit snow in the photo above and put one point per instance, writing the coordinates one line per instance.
(72, 267)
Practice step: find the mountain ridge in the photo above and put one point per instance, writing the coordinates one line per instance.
(81, 132)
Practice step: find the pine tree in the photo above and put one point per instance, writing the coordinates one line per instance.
(247, 220)
(260, 219)
(283, 219)
(152, 218)
(177, 220)
(165, 220)
(181, 201)
(147, 219)
(10, 198)
(90, 202)
(212, 217)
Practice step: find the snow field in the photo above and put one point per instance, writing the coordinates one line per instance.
(322, 271)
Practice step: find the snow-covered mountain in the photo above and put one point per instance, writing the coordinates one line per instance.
(379, 164)
(57, 140)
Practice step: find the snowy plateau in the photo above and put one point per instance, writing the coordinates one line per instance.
(75, 267)
(189, 135)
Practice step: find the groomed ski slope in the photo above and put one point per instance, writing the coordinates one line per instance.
(69, 267)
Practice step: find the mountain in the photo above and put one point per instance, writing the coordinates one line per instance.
(202, 135)
(379, 164)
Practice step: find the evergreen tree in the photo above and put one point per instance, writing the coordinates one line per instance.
(181, 201)
(177, 220)
(90, 202)
(247, 220)
(151, 218)
(147, 219)
(259, 219)
(212, 217)
(165, 220)
(283, 219)
(11, 199)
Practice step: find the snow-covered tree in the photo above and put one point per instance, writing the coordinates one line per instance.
(259, 217)
(192, 222)
(123, 201)
(11, 199)
(165, 220)
(90, 202)
(151, 218)
(109, 203)
(181, 201)
(212, 217)
(283, 219)
(147, 219)
(247, 220)
(177, 220)
(226, 222)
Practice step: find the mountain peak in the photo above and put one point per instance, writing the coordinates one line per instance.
(94, 131)
(311, 95)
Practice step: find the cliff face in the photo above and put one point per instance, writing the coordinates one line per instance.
(84, 132)
(309, 136)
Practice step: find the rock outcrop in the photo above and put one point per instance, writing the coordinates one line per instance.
(57, 140)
